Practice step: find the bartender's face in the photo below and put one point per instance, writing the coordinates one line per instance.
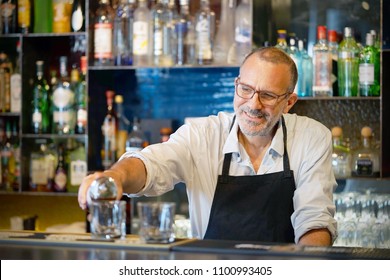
(255, 118)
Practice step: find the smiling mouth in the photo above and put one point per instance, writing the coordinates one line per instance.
(254, 116)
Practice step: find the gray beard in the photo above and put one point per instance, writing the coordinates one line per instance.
(269, 125)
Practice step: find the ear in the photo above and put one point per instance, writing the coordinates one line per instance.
(292, 99)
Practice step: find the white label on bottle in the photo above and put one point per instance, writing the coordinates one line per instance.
(62, 97)
(77, 20)
(366, 73)
(78, 170)
(243, 35)
(140, 39)
(61, 117)
(103, 40)
(16, 92)
(60, 180)
(203, 39)
(158, 42)
(82, 116)
(38, 171)
(347, 55)
(37, 117)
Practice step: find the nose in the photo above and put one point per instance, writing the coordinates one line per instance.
(255, 101)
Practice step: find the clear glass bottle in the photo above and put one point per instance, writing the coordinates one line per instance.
(295, 54)
(322, 65)
(205, 31)
(243, 30)
(61, 174)
(306, 81)
(40, 119)
(109, 132)
(123, 33)
(184, 36)
(224, 38)
(365, 161)
(281, 42)
(77, 168)
(63, 102)
(348, 65)
(39, 169)
(16, 84)
(341, 156)
(136, 139)
(141, 34)
(102, 31)
(123, 127)
(8, 16)
(368, 69)
(81, 99)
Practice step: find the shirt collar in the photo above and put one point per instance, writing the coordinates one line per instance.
(233, 146)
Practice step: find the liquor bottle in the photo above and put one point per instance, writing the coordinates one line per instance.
(322, 65)
(7, 160)
(162, 18)
(281, 42)
(109, 132)
(368, 69)
(61, 16)
(61, 174)
(40, 119)
(341, 156)
(348, 65)
(296, 56)
(333, 48)
(244, 29)
(204, 30)
(77, 19)
(16, 151)
(306, 81)
(123, 127)
(184, 36)
(16, 84)
(43, 16)
(63, 100)
(77, 169)
(141, 34)
(123, 33)
(224, 38)
(136, 140)
(365, 161)
(25, 16)
(102, 30)
(5, 81)
(39, 169)
(8, 16)
(81, 99)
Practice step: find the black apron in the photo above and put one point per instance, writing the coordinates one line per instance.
(253, 207)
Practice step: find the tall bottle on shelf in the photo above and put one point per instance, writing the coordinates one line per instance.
(43, 16)
(365, 160)
(77, 168)
(63, 101)
(123, 127)
(306, 81)
(341, 156)
(184, 36)
(109, 132)
(15, 142)
(7, 160)
(369, 69)
(141, 34)
(16, 84)
(9, 16)
(103, 34)
(61, 174)
(322, 65)
(40, 115)
(281, 42)
(205, 31)
(243, 29)
(296, 55)
(136, 139)
(348, 65)
(77, 17)
(223, 50)
(123, 33)
(39, 168)
(81, 99)
(334, 49)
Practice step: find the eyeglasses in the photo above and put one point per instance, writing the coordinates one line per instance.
(266, 98)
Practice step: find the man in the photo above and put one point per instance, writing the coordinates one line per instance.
(258, 174)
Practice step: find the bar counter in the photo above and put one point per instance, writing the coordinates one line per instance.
(31, 245)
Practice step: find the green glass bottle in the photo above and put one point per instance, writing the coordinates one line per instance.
(43, 16)
(40, 102)
(368, 69)
(348, 65)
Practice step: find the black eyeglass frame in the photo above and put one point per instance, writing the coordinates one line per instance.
(261, 94)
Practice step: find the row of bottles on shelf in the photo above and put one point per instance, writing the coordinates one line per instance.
(61, 107)
(360, 161)
(336, 68)
(9, 155)
(57, 167)
(42, 16)
(10, 83)
(131, 33)
(119, 135)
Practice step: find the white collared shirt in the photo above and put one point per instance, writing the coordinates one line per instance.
(194, 155)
